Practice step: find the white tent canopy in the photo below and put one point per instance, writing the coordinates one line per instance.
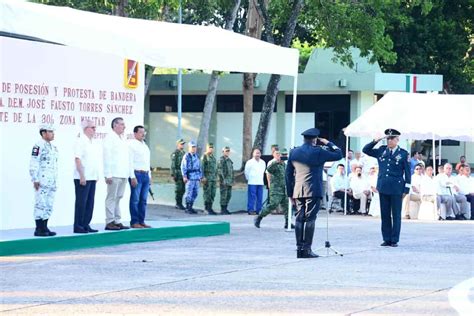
(155, 43)
(418, 116)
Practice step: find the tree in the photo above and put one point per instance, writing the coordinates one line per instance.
(272, 88)
(212, 88)
(435, 40)
(254, 26)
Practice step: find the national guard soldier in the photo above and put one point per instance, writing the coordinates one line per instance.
(44, 174)
(226, 179)
(191, 171)
(391, 183)
(276, 172)
(176, 158)
(209, 173)
(304, 183)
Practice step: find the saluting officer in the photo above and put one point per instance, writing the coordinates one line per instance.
(176, 158)
(44, 174)
(393, 183)
(304, 183)
(226, 179)
(191, 170)
(209, 173)
(276, 172)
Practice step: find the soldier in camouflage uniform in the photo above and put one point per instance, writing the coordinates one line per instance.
(209, 172)
(44, 174)
(276, 171)
(226, 179)
(191, 171)
(176, 158)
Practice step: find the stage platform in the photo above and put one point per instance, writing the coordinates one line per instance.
(22, 241)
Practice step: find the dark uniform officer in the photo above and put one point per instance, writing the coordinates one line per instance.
(304, 183)
(176, 158)
(391, 183)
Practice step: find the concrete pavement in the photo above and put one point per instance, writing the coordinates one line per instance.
(251, 271)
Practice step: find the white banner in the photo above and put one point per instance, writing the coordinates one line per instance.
(45, 83)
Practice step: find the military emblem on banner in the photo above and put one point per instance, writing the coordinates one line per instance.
(131, 74)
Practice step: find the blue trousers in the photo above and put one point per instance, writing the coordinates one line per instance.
(138, 198)
(254, 198)
(391, 215)
(84, 205)
(192, 187)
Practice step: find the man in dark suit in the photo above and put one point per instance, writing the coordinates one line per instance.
(304, 184)
(393, 183)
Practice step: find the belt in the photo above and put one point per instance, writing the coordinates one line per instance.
(141, 171)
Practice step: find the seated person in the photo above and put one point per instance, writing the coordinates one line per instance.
(415, 189)
(428, 186)
(374, 209)
(466, 186)
(339, 184)
(448, 193)
(360, 187)
(462, 161)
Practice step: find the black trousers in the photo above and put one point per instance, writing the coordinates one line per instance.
(84, 203)
(391, 215)
(306, 212)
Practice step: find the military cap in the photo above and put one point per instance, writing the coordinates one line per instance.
(284, 151)
(312, 132)
(180, 141)
(390, 132)
(46, 127)
(226, 148)
(192, 143)
(210, 145)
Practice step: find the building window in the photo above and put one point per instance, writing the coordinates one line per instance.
(235, 103)
(169, 103)
(315, 103)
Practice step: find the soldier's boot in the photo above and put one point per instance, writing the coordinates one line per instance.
(39, 231)
(257, 220)
(47, 229)
(224, 210)
(286, 224)
(209, 209)
(179, 205)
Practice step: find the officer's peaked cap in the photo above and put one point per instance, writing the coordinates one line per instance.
(180, 141)
(312, 132)
(390, 132)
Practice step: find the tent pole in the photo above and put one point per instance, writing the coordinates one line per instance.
(180, 83)
(434, 156)
(292, 141)
(345, 176)
(439, 151)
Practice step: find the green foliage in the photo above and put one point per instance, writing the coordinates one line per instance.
(436, 40)
(305, 50)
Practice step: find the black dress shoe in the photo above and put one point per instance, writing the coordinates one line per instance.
(300, 253)
(393, 244)
(308, 254)
(122, 226)
(80, 230)
(91, 230)
(450, 218)
(256, 221)
(386, 244)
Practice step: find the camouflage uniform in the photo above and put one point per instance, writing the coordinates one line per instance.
(191, 169)
(209, 171)
(226, 180)
(176, 158)
(277, 196)
(44, 169)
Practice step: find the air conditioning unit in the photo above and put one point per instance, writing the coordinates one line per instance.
(172, 84)
(342, 83)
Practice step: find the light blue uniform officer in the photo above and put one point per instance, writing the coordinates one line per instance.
(393, 182)
(44, 174)
(191, 170)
